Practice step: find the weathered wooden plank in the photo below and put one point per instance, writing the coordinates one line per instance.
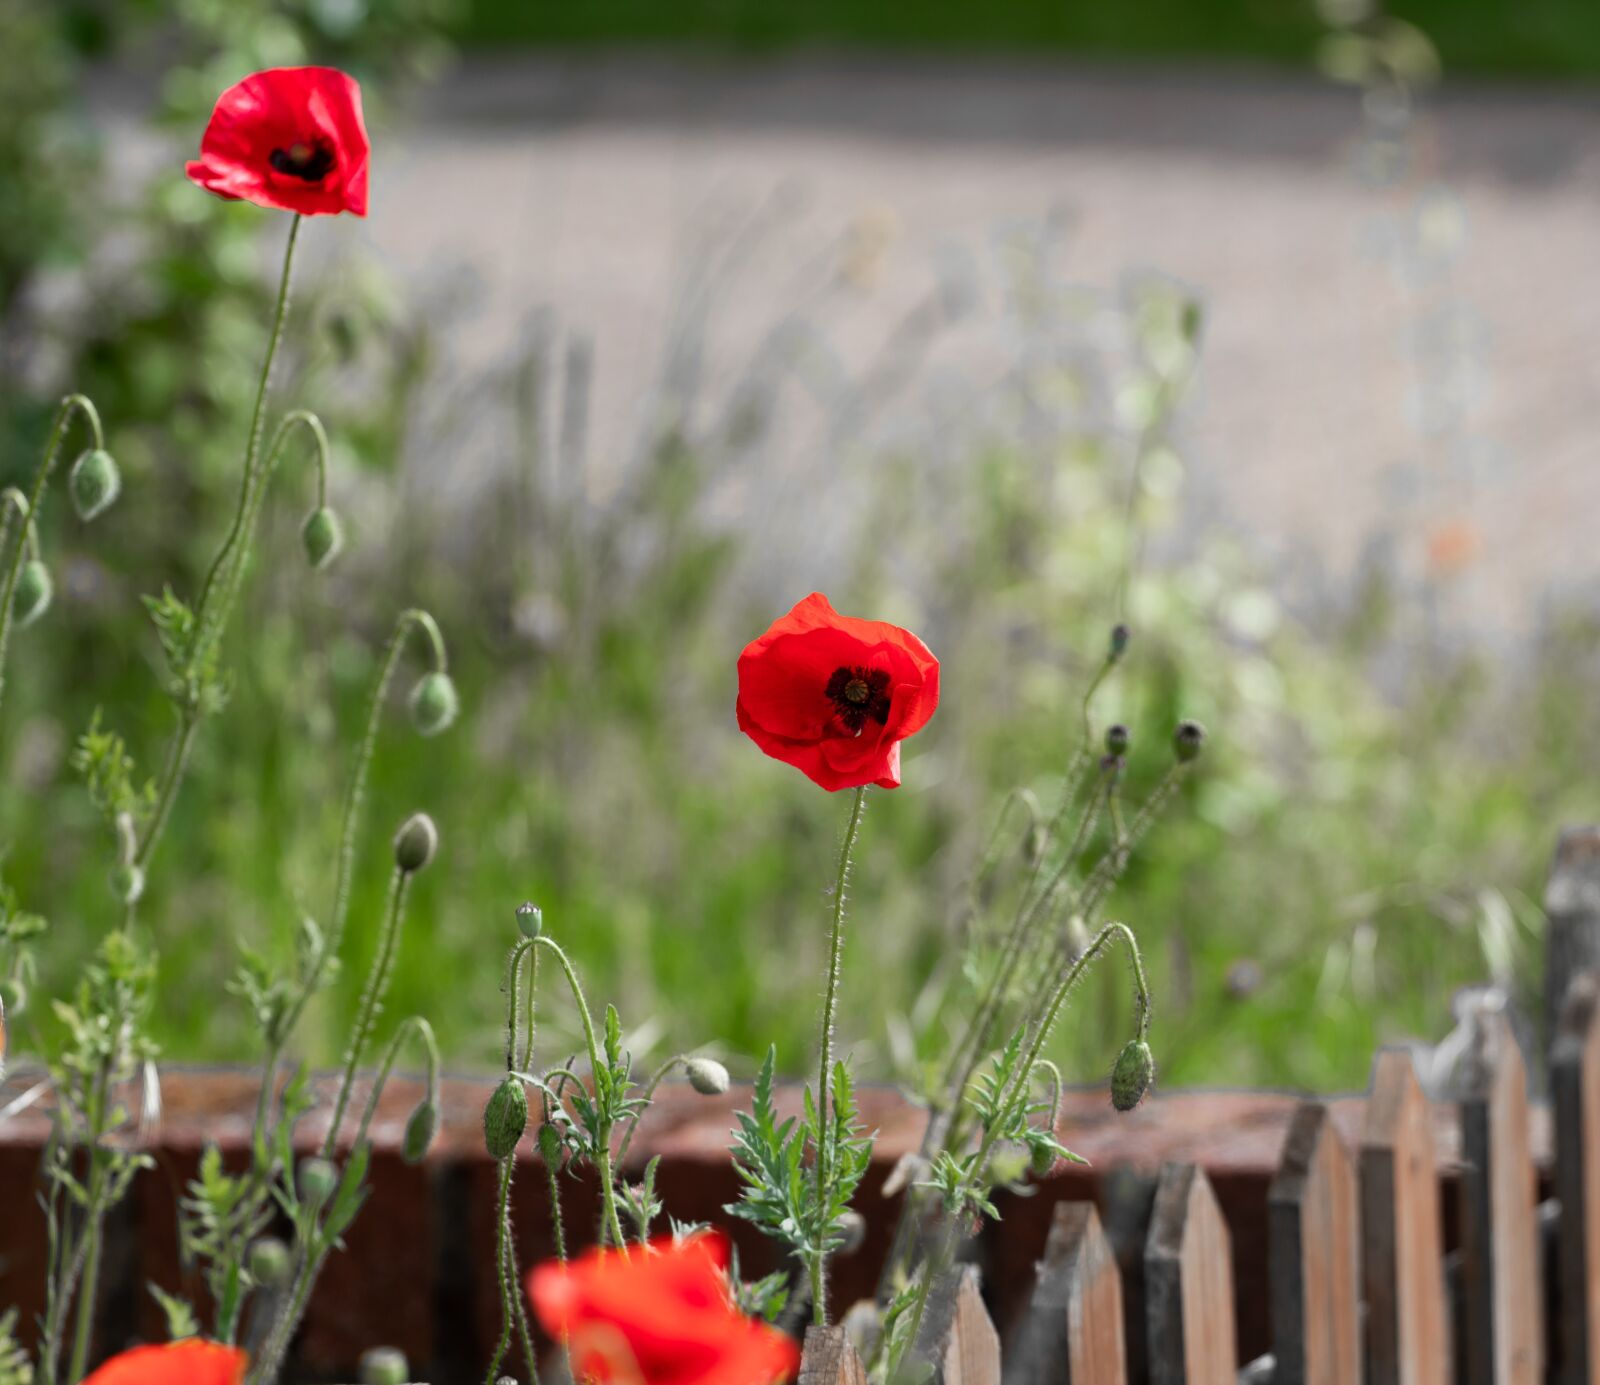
(1575, 1091)
(957, 1334)
(1189, 1284)
(1312, 1237)
(1071, 1333)
(1504, 1318)
(1407, 1329)
(829, 1359)
(1572, 917)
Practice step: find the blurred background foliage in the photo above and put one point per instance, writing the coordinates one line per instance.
(1489, 37)
(1369, 831)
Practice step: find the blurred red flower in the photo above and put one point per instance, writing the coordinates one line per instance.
(657, 1315)
(834, 696)
(290, 138)
(192, 1362)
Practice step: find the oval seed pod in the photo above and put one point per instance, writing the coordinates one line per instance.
(505, 1118)
(94, 483)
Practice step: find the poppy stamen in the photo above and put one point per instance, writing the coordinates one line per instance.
(859, 693)
(310, 162)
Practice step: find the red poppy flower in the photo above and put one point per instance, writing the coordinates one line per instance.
(290, 138)
(191, 1362)
(834, 696)
(657, 1316)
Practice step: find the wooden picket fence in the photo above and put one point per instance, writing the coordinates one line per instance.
(1360, 1287)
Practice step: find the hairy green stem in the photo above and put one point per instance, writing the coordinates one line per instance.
(502, 1231)
(355, 793)
(411, 1023)
(610, 1222)
(94, 1216)
(371, 1002)
(237, 535)
(71, 405)
(1017, 1093)
(207, 628)
(819, 1266)
(556, 1224)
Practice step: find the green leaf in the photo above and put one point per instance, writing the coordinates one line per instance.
(181, 1321)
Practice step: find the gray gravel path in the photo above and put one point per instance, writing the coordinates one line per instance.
(585, 183)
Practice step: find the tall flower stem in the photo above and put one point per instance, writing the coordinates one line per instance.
(71, 405)
(355, 793)
(234, 551)
(610, 1222)
(819, 1265)
(94, 1215)
(371, 1003)
(237, 538)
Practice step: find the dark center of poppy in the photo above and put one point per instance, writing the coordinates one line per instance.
(308, 160)
(857, 694)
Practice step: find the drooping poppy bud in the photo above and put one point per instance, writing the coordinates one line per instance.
(1187, 740)
(1042, 1159)
(549, 1144)
(416, 843)
(94, 483)
(322, 537)
(1118, 739)
(505, 1118)
(33, 593)
(269, 1262)
(1120, 635)
(420, 1131)
(530, 921)
(707, 1076)
(1131, 1076)
(318, 1179)
(434, 703)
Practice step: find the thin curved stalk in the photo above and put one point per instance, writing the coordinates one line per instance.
(819, 1265)
(71, 405)
(371, 1001)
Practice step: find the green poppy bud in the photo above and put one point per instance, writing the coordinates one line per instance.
(420, 1130)
(318, 1179)
(1187, 740)
(434, 703)
(505, 1118)
(416, 843)
(1118, 740)
(530, 921)
(1042, 1159)
(1134, 1071)
(323, 537)
(549, 1144)
(95, 482)
(384, 1366)
(707, 1076)
(33, 593)
(1120, 635)
(269, 1262)
(127, 882)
